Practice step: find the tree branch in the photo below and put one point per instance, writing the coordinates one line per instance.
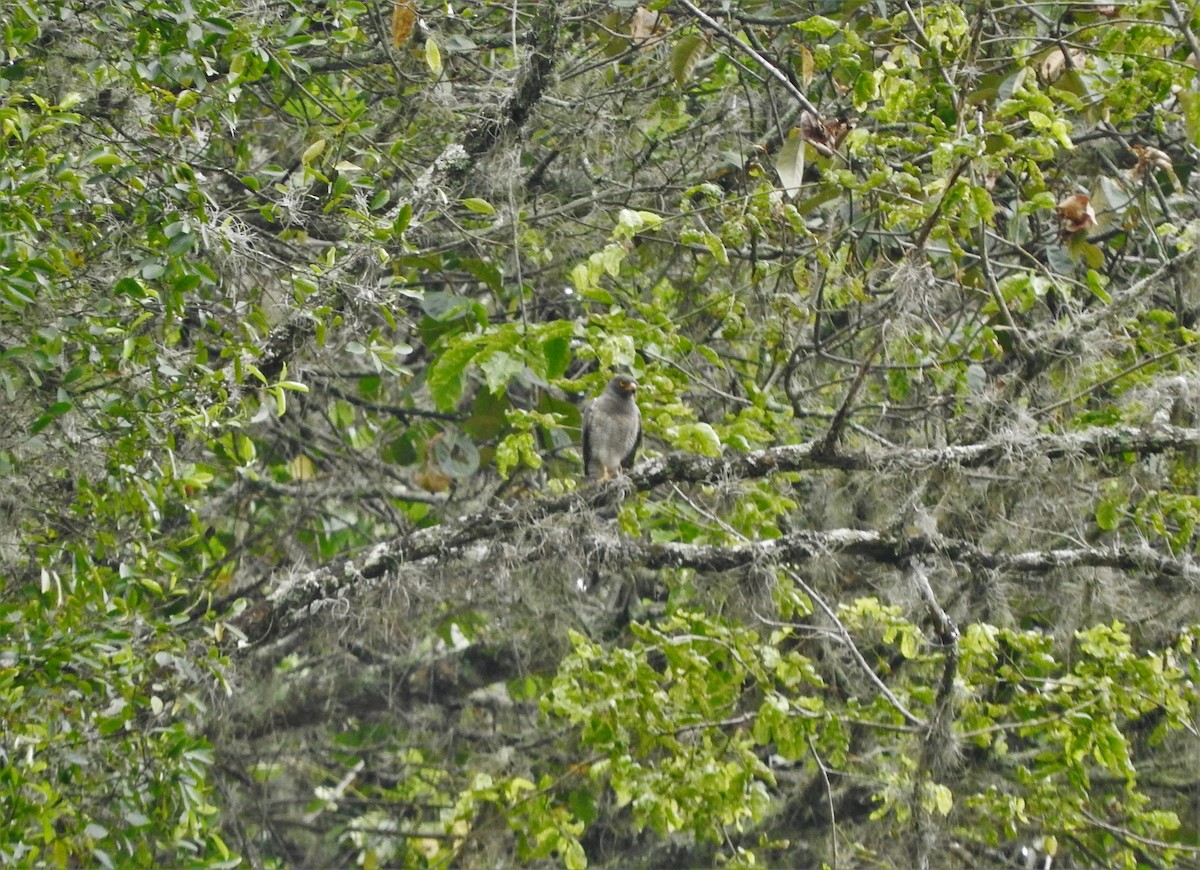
(896, 551)
(294, 600)
(485, 133)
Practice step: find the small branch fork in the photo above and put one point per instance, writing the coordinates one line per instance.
(828, 444)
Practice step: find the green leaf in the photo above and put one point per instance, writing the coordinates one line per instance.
(686, 53)
(246, 450)
(486, 272)
(313, 151)
(573, 856)
(129, 287)
(819, 25)
(557, 353)
(403, 218)
(479, 206)
(52, 413)
(631, 222)
(717, 248)
(498, 369)
(697, 438)
(433, 57)
(943, 799)
(446, 374)
(1109, 514)
(104, 159)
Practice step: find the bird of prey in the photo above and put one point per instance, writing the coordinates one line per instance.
(612, 429)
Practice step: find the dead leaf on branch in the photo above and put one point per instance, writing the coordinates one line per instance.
(646, 27)
(824, 136)
(404, 18)
(808, 66)
(1058, 61)
(1148, 160)
(1075, 214)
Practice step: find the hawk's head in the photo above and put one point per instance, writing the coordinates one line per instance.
(623, 385)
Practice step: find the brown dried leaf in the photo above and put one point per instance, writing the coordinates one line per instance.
(431, 477)
(404, 18)
(432, 480)
(1075, 214)
(1056, 62)
(646, 26)
(824, 136)
(1150, 159)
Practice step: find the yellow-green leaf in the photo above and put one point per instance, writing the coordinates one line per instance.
(313, 151)
(717, 248)
(433, 56)
(943, 799)
(479, 206)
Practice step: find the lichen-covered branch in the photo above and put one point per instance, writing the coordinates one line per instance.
(884, 548)
(293, 600)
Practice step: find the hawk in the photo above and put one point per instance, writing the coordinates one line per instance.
(612, 429)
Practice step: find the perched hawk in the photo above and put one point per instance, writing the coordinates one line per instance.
(612, 429)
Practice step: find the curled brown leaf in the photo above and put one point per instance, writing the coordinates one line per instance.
(825, 136)
(1075, 214)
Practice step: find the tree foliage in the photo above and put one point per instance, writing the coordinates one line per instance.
(299, 302)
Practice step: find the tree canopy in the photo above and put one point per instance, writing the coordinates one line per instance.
(299, 305)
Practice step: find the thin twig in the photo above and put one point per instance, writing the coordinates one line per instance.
(989, 277)
(931, 221)
(829, 799)
(1138, 838)
(844, 634)
(829, 442)
(1041, 412)
(1185, 26)
(776, 73)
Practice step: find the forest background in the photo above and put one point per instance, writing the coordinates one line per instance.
(299, 302)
